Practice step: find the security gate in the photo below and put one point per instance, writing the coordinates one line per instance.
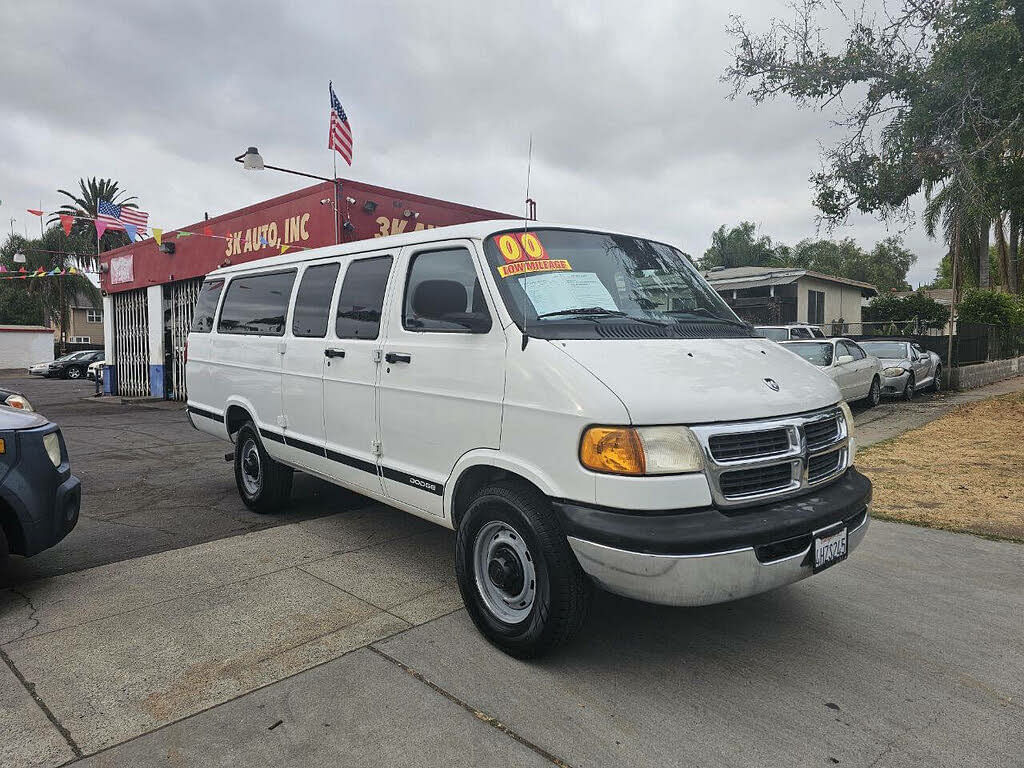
(179, 303)
(131, 343)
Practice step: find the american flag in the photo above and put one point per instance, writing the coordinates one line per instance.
(116, 216)
(340, 137)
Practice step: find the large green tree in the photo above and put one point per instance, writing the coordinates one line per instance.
(41, 300)
(885, 266)
(741, 246)
(931, 93)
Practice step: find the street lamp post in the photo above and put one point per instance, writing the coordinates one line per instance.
(251, 160)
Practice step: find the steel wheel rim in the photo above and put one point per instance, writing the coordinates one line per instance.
(252, 468)
(504, 571)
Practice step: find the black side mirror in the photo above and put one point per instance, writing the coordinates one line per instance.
(476, 322)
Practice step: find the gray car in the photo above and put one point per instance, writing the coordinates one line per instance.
(906, 366)
(39, 497)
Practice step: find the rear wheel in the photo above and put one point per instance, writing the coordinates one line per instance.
(520, 581)
(908, 390)
(937, 380)
(5, 552)
(264, 484)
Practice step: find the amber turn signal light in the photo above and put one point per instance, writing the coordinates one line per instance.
(616, 450)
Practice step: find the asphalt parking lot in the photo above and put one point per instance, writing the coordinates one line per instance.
(173, 625)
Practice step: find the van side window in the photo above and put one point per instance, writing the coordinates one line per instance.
(256, 305)
(206, 306)
(313, 300)
(442, 288)
(362, 298)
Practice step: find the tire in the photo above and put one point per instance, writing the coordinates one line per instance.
(874, 394)
(507, 535)
(908, 390)
(937, 380)
(74, 372)
(265, 485)
(5, 552)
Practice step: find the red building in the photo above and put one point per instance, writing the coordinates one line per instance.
(150, 289)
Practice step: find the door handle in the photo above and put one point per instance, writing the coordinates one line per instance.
(334, 352)
(397, 357)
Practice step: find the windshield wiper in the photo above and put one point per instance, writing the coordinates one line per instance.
(596, 312)
(704, 315)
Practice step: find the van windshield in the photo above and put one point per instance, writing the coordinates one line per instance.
(566, 284)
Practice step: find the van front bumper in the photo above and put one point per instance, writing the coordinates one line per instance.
(704, 556)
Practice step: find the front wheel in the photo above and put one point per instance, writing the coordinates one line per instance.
(74, 372)
(908, 390)
(874, 394)
(264, 484)
(937, 380)
(520, 581)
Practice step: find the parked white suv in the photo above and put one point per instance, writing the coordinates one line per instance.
(580, 406)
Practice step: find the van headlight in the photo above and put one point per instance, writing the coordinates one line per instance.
(641, 450)
(52, 444)
(851, 449)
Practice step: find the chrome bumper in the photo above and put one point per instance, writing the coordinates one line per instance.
(715, 577)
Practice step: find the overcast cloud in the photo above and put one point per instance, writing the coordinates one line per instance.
(631, 125)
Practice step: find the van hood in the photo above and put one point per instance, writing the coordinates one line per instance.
(683, 381)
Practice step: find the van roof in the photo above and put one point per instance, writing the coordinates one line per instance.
(476, 230)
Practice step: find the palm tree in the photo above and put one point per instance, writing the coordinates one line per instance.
(85, 205)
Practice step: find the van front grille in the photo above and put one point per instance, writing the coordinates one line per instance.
(821, 433)
(752, 462)
(749, 445)
(819, 467)
(742, 482)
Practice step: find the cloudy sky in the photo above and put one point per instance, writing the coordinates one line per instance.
(632, 127)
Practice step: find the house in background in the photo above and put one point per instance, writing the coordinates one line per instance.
(778, 295)
(85, 322)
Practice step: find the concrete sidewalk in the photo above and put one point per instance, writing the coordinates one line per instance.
(910, 653)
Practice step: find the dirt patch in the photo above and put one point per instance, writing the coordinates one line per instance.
(962, 472)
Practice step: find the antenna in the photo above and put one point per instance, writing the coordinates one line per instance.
(529, 167)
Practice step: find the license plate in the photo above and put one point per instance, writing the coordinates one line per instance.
(829, 550)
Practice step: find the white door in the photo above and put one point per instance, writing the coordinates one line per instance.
(248, 345)
(350, 373)
(845, 372)
(303, 367)
(443, 376)
(864, 369)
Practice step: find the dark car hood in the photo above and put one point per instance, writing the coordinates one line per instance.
(15, 418)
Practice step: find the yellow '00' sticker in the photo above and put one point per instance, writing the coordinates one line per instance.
(524, 253)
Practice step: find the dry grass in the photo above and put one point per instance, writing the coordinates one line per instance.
(962, 472)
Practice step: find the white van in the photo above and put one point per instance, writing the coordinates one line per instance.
(580, 406)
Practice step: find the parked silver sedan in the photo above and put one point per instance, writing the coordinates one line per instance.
(906, 366)
(858, 374)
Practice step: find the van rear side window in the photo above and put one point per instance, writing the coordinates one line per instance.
(256, 305)
(362, 298)
(313, 301)
(206, 306)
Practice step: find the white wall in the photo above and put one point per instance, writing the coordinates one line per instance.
(20, 348)
(841, 301)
